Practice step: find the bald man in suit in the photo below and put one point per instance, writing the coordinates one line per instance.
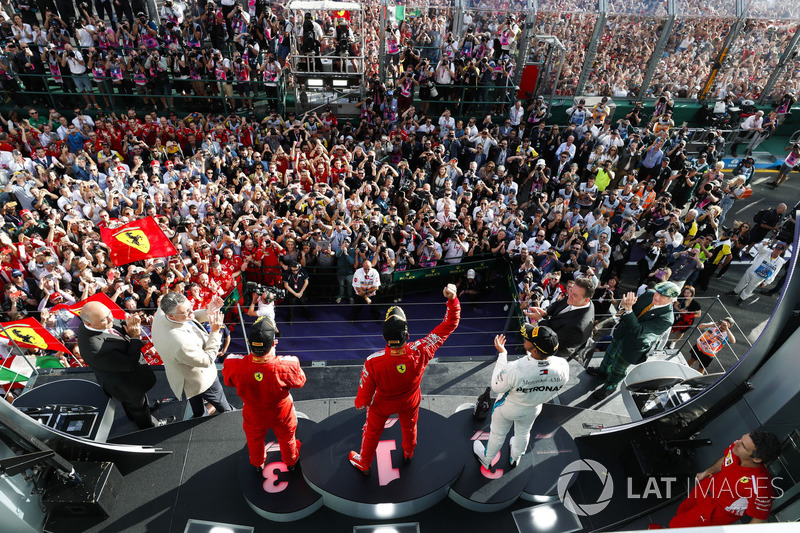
(116, 358)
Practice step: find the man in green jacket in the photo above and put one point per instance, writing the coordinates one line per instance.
(643, 321)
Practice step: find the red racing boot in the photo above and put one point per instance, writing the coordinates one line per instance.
(291, 468)
(355, 460)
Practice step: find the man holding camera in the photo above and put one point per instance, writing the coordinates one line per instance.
(77, 67)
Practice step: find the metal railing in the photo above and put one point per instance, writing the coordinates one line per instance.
(118, 98)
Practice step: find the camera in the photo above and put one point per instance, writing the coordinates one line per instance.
(251, 287)
(362, 247)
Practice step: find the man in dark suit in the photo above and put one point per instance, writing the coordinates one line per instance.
(116, 360)
(643, 321)
(572, 318)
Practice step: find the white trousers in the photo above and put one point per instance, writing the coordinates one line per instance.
(747, 285)
(503, 418)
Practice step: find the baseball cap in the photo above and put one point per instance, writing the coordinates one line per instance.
(16, 272)
(24, 212)
(55, 296)
(471, 273)
(780, 245)
(668, 289)
(395, 327)
(543, 338)
(261, 336)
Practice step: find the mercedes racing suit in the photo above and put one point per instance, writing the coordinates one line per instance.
(524, 385)
(263, 384)
(390, 383)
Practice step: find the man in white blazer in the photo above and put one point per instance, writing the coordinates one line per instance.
(189, 351)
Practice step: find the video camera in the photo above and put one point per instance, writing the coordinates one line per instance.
(251, 287)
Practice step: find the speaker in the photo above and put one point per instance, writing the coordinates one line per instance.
(95, 495)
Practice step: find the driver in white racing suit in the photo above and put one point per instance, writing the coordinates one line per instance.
(524, 385)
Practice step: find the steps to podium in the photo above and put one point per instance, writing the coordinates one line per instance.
(479, 489)
(277, 494)
(393, 489)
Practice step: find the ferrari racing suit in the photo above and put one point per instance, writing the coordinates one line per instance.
(390, 383)
(263, 384)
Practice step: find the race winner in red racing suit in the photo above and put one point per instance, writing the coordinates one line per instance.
(262, 380)
(390, 380)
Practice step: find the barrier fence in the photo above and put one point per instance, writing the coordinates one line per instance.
(25, 369)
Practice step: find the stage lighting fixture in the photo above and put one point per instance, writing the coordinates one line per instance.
(315, 82)
(410, 527)
(545, 518)
(203, 526)
(340, 83)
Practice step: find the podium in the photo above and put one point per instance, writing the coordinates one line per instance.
(393, 489)
(276, 493)
(443, 465)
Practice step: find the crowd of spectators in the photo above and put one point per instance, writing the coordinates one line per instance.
(268, 197)
(119, 54)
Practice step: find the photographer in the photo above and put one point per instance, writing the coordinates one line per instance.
(74, 60)
(157, 69)
(262, 303)
(345, 266)
(456, 246)
(429, 253)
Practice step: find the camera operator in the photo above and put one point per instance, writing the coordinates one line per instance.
(429, 252)
(385, 261)
(77, 67)
(456, 246)
(295, 282)
(158, 70)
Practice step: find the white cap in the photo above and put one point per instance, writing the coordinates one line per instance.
(471, 274)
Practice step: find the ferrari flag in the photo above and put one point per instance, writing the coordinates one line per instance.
(341, 14)
(75, 308)
(135, 241)
(29, 333)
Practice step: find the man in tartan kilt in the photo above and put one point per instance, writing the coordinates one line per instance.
(643, 321)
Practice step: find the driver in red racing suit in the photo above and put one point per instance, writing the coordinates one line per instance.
(390, 380)
(262, 380)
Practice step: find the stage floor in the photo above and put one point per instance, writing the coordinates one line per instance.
(198, 480)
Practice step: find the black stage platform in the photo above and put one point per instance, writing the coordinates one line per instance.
(201, 478)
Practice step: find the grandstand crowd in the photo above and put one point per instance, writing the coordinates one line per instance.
(407, 186)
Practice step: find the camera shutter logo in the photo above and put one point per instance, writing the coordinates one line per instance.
(566, 477)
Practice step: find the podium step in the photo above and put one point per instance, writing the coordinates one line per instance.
(276, 493)
(393, 489)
